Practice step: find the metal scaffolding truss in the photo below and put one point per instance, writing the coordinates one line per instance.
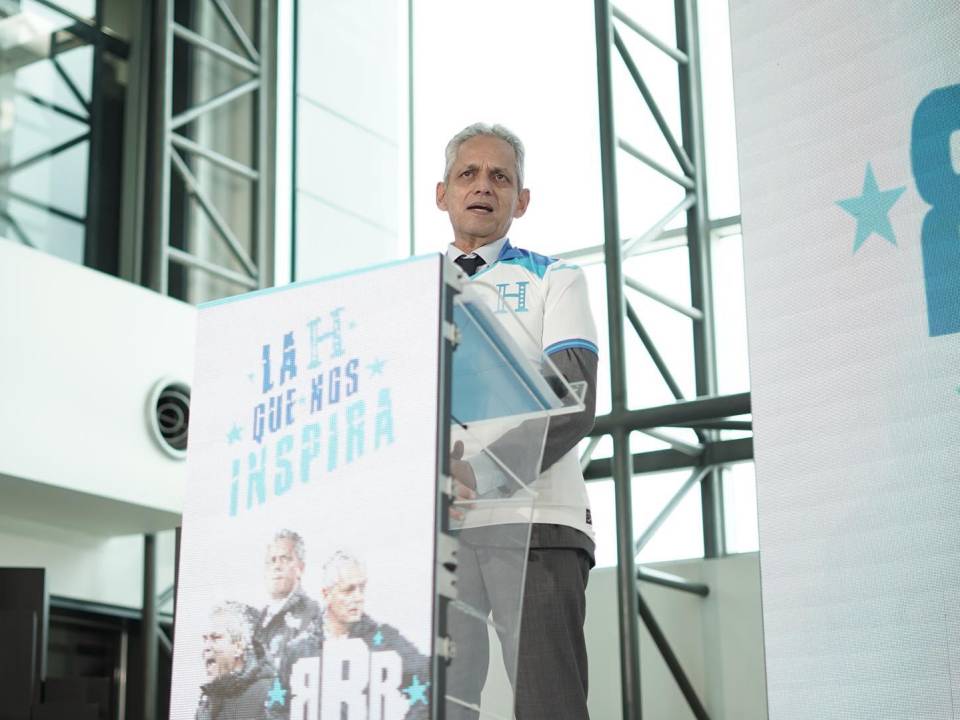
(707, 414)
(177, 150)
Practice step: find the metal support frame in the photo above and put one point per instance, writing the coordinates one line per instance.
(149, 629)
(707, 414)
(674, 582)
(177, 148)
(698, 252)
(616, 309)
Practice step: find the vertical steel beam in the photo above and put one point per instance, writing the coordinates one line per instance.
(698, 249)
(135, 156)
(161, 111)
(265, 134)
(92, 230)
(148, 627)
(626, 569)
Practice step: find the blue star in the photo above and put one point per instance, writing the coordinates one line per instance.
(378, 638)
(251, 376)
(277, 695)
(871, 210)
(376, 367)
(417, 691)
(234, 434)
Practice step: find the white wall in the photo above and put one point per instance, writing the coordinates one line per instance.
(82, 351)
(718, 639)
(83, 566)
(81, 478)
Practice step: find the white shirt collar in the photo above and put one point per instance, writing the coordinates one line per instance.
(489, 252)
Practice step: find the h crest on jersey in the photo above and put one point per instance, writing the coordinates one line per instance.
(520, 295)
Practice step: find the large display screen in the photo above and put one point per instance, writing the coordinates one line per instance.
(307, 557)
(848, 123)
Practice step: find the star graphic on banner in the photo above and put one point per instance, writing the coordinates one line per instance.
(234, 434)
(277, 695)
(871, 209)
(251, 376)
(352, 325)
(378, 638)
(376, 367)
(416, 691)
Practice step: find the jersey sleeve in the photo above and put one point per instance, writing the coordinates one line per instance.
(567, 320)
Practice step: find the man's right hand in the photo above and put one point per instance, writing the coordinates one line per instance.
(464, 479)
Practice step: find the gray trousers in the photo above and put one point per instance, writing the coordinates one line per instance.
(547, 650)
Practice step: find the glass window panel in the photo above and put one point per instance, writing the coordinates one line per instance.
(59, 180)
(740, 508)
(597, 291)
(44, 231)
(730, 315)
(635, 122)
(83, 8)
(655, 16)
(680, 537)
(35, 128)
(603, 510)
(666, 272)
(77, 65)
(644, 196)
(723, 188)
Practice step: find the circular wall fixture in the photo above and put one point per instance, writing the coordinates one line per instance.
(168, 416)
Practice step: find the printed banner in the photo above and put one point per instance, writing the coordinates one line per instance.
(307, 555)
(848, 123)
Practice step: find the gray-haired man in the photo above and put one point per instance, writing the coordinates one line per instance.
(345, 616)
(482, 192)
(289, 611)
(238, 684)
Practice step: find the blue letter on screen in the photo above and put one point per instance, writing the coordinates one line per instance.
(936, 119)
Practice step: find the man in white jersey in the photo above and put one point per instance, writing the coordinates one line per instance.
(482, 192)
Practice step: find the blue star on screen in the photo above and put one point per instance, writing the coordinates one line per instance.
(277, 695)
(871, 209)
(416, 691)
(378, 639)
(234, 434)
(376, 367)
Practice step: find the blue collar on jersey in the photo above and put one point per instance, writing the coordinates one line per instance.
(534, 262)
(508, 252)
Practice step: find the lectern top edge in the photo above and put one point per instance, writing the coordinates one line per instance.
(312, 281)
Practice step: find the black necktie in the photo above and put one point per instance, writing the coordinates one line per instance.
(470, 265)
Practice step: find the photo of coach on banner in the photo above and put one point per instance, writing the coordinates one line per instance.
(299, 658)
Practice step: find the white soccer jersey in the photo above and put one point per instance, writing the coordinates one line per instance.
(549, 298)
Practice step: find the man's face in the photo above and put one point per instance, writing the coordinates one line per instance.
(482, 196)
(282, 568)
(345, 599)
(221, 655)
